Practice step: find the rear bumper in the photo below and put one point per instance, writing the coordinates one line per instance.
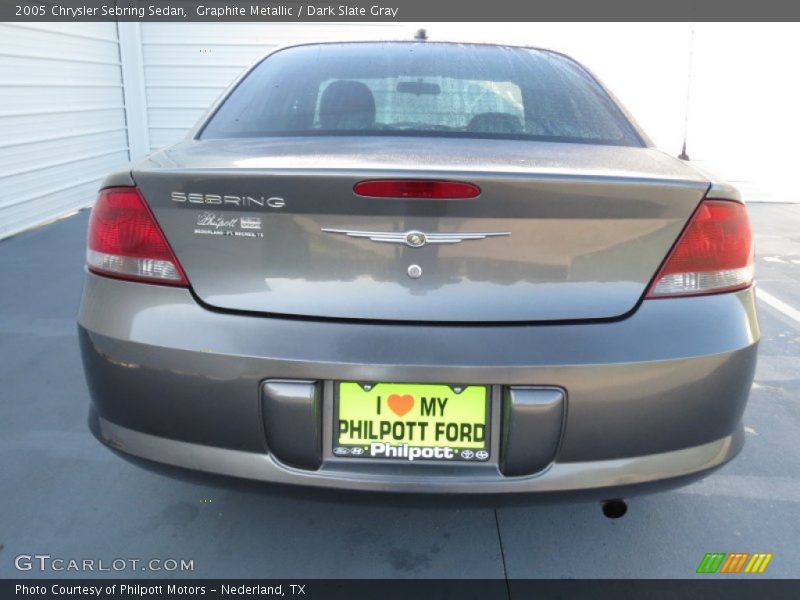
(652, 400)
(602, 479)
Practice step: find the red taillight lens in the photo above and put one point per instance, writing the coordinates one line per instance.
(125, 240)
(713, 254)
(416, 188)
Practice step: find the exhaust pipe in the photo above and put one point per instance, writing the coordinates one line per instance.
(614, 509)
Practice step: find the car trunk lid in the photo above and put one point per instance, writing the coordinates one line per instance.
(558, 232)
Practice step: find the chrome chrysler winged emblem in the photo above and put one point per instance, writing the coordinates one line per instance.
(417, 239)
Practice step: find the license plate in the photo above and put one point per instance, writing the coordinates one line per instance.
(411, 422)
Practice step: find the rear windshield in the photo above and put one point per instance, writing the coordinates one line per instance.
(421, 89)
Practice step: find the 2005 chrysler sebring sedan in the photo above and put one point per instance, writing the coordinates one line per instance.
(423, 267)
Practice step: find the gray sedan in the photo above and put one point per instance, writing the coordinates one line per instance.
(421, 267)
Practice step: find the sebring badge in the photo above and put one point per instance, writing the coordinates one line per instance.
(417, 239)
(229, 200)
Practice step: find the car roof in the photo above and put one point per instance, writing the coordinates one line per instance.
(423, 42)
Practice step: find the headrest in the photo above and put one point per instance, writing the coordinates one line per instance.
(494, 122)
(347, 105)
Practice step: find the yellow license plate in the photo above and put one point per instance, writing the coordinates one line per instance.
(409, 422)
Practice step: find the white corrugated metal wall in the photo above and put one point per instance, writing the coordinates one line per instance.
(79, 100)
(62, 119)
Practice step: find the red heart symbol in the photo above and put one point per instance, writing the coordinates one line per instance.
(400, 405)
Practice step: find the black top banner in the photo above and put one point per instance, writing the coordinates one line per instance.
(398, 10)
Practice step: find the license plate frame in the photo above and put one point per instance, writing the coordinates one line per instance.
(474, 402)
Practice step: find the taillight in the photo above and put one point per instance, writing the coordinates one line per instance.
(713, 254)
(416, 188)
(125, 240)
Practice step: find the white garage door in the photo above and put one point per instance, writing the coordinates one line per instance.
(62, 119)
(187, 65)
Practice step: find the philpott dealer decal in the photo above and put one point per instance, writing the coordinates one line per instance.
(211, 223)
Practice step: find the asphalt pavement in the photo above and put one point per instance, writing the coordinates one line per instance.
(64, 495)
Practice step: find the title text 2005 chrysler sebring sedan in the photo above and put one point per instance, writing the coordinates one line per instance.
(421, 266)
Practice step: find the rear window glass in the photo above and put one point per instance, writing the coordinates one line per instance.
(421, 89)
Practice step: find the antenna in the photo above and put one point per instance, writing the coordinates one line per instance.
(421, 35)
(684, 155)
